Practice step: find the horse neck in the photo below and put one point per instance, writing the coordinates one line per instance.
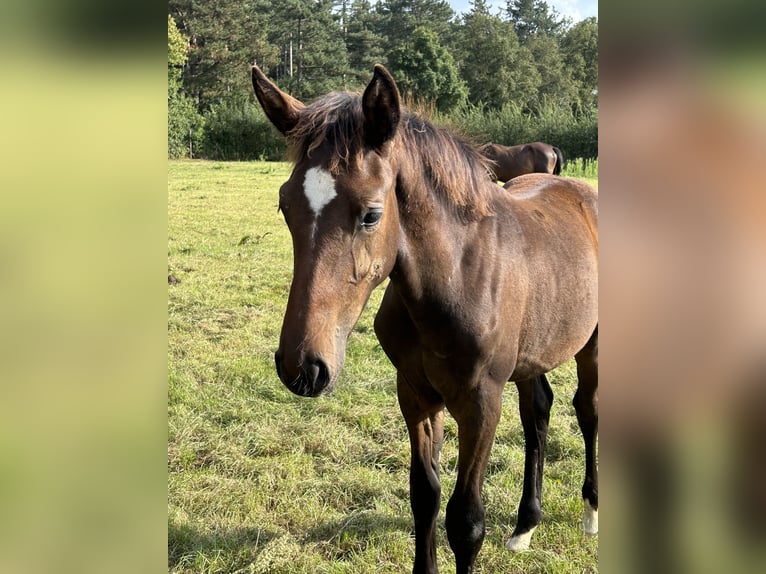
(433, 235)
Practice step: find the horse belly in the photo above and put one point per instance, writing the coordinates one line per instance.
(560, 317)
(554, 340)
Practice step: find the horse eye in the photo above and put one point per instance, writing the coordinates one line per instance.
(371, 218)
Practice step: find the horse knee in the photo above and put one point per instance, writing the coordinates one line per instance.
(585, 405)
(425, 493)
(465, 528)
(544, 398)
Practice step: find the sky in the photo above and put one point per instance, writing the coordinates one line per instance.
(576, 9)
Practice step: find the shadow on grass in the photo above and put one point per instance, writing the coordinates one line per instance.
(560, 448)
(189, 549)
(562, 518)
(343, 538)
(187, 545)
(363, 523)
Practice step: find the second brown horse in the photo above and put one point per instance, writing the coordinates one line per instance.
(513, 161)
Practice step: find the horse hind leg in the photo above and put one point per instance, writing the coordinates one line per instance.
(586, 407)
(535, 400)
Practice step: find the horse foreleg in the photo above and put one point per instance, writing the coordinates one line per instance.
(586, 406)
(535, 400)
(425, 425)
(477, 416)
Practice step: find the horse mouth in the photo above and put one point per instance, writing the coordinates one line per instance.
(313, 379)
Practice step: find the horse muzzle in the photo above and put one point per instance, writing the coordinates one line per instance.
(312, 379)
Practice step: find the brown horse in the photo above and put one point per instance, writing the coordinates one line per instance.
(513, 161)
(487, 286)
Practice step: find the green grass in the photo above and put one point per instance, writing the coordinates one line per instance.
(262, 481)
(582, 168)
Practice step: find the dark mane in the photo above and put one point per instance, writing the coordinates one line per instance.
(453, 167)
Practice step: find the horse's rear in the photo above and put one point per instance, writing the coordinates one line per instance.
(513, 161)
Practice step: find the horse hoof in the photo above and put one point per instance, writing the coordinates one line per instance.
(589, 519)
(520, 542)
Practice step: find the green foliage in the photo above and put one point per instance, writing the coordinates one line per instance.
(528, 58)
(225, 37)
(319, 56)
(185, 126)
(579, 48)
(581, 168)
(399, 18)
(239, 130)
(184, 122)
(507, 72)
(178, 53)
(576, 134)
(364, 42)
(425, 71)
(178, 44)
(533, 17)
(556, 84)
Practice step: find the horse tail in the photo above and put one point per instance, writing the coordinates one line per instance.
(559, 161)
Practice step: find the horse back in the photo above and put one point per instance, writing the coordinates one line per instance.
(565, 195)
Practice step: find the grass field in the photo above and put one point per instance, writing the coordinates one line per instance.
(262, 481)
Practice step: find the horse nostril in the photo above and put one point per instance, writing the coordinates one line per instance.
(312, 372)
(317, 374)
(313, 375)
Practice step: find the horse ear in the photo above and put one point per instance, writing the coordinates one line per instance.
(281, 108)
(382, 109)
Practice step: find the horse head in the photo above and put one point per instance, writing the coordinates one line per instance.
(340, 207)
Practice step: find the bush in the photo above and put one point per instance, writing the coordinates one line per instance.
(185, 126)
(575, 134)
(579, 167)
(240, 131)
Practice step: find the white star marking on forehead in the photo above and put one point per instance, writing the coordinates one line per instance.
(319, 187)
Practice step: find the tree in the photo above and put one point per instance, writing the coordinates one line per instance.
(313, 57)
(178, 47)
(363, 44)
(579, 48)
(533, 17)
(225, 38)
(556, 83)
(399, 18)
(425, 70)
(504, 71)
(184, 123)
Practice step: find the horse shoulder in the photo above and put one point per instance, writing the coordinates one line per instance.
(394, 328)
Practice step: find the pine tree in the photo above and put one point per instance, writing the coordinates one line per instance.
(225, 38)
(399, 18)
(531, 17)
(496, 69)
(425, 71)
(579, 48)
(310, 39)
(556, 84)
(363, 44)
